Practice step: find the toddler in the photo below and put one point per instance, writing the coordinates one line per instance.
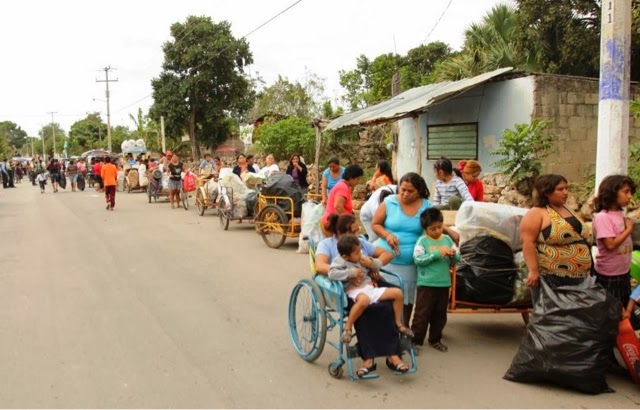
(42, 181)
(433, 255)
(351, 266)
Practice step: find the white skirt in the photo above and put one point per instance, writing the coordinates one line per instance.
(372, 292)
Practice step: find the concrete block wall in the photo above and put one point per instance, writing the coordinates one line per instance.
(571, 104)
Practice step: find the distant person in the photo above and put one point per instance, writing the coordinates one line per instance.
(42, 181)
(72, 174)
(451, 190)
(5, 174)
(298, 171)
(97, 171)
(251, 161)
(470, 171)
(207, 165)
(330, 177)
(109, 175)
(271, 167)
(54, 174)
(175, 168)
(381, 177)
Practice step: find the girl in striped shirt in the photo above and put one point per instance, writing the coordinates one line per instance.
(451, 190)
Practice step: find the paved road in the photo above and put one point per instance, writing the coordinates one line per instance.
(151, 307)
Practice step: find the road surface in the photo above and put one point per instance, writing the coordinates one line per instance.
(152, 307)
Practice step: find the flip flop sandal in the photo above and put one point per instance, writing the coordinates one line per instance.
(346, 336)
(363, 371)
(405, 331)
(439, 347)
(400, 367)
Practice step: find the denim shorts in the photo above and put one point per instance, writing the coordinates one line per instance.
(55, 178)
(73, 178)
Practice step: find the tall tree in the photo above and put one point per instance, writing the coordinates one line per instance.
(202, 82)
(420, 63)
(489, 45)
(357, 83)
(568, 32)
(88, 133)
(289, 99)
(13, 134)
(46, 132)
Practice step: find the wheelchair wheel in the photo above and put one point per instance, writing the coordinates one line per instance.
(200, 201)
(225, 209)
(270, 224)
(307, 320)
(335, 370)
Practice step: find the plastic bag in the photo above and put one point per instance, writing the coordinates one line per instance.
(189, 182)
(311, 214)
(569, 338)
(500, 221)
(521, 292)
(486, 272)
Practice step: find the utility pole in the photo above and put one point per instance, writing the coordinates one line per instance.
(107, 81)
(613, 111)
(53, 133)
(164, 145)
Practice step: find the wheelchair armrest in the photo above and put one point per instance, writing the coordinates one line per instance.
(396, 277)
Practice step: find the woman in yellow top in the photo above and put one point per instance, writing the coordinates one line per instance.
(554, 240)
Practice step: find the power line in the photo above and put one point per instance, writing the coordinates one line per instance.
(438, 21)
(220, 52)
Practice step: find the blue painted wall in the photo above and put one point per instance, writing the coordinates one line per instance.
(494, 106)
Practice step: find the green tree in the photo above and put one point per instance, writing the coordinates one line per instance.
(88, 133)
(202, 83)
(357, 83)
(568, 35)
(489, 45)
(13, 134)
(46, 132)
(288, 99)
(287, 137)
(5, 148)
(420, 62)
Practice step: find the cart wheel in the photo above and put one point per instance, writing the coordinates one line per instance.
(184, 197)
(200, 201)
(149, 193)
(336, 371)
(271, 223)
(224, 211)
(307, 319)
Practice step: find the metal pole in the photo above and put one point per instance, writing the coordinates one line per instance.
(164, 145)
(106, 71)
(53, 132)
(613, 110)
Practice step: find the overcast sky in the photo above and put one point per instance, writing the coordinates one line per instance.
(52, 51)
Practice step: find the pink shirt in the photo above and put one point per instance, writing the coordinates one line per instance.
(340, 189)
(609, 224)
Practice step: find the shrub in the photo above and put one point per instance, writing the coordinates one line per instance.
(287, 137)
(522, 151)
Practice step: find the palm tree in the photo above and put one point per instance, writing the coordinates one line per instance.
(488, 45)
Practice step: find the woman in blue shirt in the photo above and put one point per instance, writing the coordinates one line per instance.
(330, 177)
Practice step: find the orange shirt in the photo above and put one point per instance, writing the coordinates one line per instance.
(109, 174)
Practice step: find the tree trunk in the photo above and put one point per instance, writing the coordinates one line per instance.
(192, 135)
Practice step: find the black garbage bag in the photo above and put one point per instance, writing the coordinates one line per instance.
(283, 185)
(486, 272)
(569, 339)
(63, 181)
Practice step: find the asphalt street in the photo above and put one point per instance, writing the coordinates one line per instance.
(151, 307)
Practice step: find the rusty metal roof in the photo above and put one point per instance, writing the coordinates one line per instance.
(411, 102)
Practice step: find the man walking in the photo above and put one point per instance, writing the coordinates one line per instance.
(5, 174)
(109, 175)
(72, 174)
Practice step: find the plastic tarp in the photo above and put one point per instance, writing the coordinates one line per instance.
(500, 221)
(283, 185)
(569, 339)
(486, 272)
(240, 193)
(311, 215)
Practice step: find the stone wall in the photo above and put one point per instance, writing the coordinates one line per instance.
(571, 104)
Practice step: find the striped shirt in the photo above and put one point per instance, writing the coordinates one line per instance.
(446, 190)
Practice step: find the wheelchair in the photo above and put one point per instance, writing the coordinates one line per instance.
(318, 305)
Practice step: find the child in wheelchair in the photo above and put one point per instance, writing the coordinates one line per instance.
(361, 274)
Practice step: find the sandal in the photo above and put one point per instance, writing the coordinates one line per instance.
(363, 371)
(347, 336)
(439, 347)
(405, 331)
(400, 367)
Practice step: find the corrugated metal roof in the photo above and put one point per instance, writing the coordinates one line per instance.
(411, 101)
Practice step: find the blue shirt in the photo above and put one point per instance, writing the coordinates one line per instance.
(329, 247)
(407, 229)
(331, 182)
(635, 295)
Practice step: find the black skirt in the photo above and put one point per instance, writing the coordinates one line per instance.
(377, 332)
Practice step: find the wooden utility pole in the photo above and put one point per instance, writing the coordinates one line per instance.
(316, 125)
(107, 81)
(53, 133)
(615, 68)
(164, 145)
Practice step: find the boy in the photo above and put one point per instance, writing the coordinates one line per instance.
(109, 175)
(351, 266)
(433, 255)
(42, 181)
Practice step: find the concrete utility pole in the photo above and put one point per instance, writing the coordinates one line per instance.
(164, 145)
(53, 133)
(615, 68)
(107, 81)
